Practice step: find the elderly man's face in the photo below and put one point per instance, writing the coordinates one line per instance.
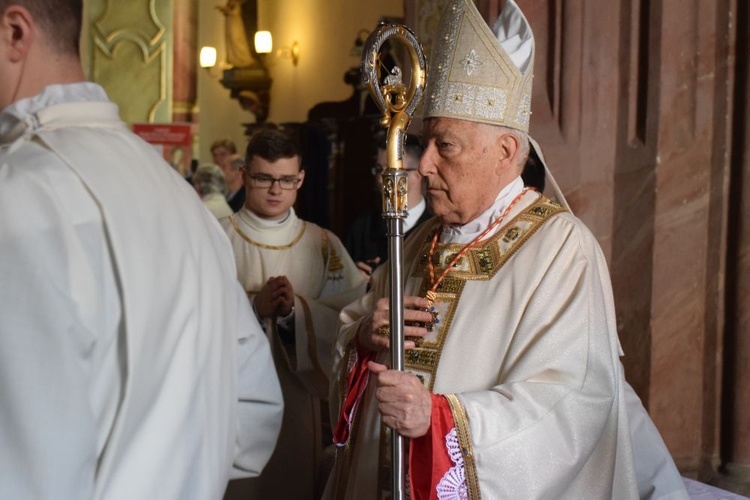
(465, 166)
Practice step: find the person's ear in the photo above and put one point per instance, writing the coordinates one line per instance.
(301, 178)
(18, 32)
(508, 146)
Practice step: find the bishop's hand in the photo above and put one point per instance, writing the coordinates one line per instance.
(405, 404)
(374, 331)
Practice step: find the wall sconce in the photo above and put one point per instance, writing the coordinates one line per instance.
(264, 45)
(208, 60)
(290, 52)
(263, 42)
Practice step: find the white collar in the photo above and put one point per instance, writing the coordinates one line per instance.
(467, 232)
(21, 115)
(258, 223)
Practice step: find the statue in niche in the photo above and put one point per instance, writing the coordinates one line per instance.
(239, 54)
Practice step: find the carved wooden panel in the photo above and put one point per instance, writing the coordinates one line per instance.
(131, 56)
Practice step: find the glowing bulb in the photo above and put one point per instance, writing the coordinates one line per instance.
(263, 42)
(207, 57)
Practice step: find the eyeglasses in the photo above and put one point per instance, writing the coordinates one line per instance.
(287, 182)
(379, 169)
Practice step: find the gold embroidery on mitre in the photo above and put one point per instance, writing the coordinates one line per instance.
(473, 77)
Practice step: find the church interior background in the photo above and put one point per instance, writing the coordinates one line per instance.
(642, 108)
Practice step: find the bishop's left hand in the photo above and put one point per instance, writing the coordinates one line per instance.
(404, 403)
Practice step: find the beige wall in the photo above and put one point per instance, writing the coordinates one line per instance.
(219, 116)
(325, 30)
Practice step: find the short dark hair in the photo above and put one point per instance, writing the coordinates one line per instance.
(271, 145)
(59, 19)
(226, 144)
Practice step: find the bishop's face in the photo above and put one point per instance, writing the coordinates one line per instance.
(462, 165)
(271, 187)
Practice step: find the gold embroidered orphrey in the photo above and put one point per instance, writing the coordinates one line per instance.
(478, 264)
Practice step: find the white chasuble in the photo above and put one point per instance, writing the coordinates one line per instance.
(526, 356)
(324, 280)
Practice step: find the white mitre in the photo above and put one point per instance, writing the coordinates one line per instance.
(482, 75)
(478, 74)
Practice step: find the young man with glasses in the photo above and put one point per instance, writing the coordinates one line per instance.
(298, 276)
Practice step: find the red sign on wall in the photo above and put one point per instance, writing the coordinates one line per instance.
(173, 140)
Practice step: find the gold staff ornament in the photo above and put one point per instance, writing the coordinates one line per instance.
(397, 101)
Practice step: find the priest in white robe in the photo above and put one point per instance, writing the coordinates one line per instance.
(298, 277)
(130, 363)
(514, 387)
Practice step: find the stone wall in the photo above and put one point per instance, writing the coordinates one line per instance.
(642, 110)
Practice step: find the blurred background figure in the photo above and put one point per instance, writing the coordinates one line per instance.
(221, 150)
(236, 193)
(224, 154)
(208, 181)
(367, 240)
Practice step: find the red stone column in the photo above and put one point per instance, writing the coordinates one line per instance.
(184, 81)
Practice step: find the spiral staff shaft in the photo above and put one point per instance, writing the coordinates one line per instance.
(397, 103)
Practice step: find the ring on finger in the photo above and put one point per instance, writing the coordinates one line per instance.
(384, 331)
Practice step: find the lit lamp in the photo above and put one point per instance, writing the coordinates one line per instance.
(207, 57)
(263, 42)
(251, 84)
(264, 45)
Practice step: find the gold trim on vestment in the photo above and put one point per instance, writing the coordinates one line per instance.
(479, 264)
(263, 245)
(427, 357)
(331, 259)
(324, 246)
(464, 441)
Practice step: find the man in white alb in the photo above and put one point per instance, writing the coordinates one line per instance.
(298, 277)
(122, 327)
